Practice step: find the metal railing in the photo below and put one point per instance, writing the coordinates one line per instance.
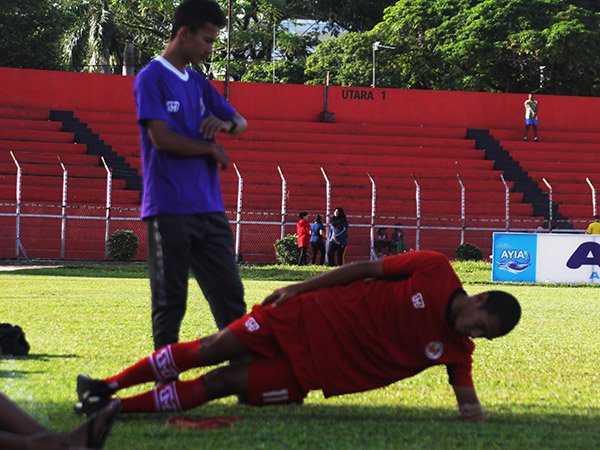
(246, 219)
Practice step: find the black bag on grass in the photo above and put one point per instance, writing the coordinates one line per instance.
(12, 340)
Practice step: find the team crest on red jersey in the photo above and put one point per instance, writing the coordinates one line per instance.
(251, 325)
(418, 301)
(434, 349)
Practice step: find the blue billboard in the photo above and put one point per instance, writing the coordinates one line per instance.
(514, 257)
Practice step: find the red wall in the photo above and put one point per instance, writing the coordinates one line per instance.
(67, 90)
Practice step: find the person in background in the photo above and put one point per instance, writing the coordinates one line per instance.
(338, 239)
(317, 239)
(594, 227)
(398, 239)
(531, 117)
(382, 245)
(303, 232)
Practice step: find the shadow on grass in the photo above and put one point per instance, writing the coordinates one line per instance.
(38, 357)
(353, 426)
(350, 426)
(137, 270)
(18, 373)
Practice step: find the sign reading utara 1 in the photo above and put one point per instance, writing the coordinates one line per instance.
(557, 258)
(362, 94)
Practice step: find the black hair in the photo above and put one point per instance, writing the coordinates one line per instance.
(318, 218)
(303, 214)
(505, 307)
(341, 216)
(194, 14)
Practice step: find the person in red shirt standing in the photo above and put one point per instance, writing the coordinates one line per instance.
(359, 327)
(303, 232)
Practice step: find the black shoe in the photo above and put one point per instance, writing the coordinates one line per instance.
(535, 139)
(90, 405)
(88, 387)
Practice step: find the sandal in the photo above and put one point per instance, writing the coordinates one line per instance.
(99, 425)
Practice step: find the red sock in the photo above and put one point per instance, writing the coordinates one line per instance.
(164, 364)
(177, 396)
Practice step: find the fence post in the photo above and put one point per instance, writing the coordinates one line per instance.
(238, 214)
(463, 208)
(593, 196)
(549, 204)
(373, 204)
(418, 206)
(18, 244)
(63, 211)
(107, 216)
(507, 203)
(283, 201)
(327, 201)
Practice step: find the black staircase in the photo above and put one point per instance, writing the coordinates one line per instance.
(513, 171)
(96, 146)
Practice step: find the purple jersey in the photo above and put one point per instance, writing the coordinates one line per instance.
(178, 184)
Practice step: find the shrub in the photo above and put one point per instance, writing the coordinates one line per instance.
(287, 250)
(122, 245)
(469, 252)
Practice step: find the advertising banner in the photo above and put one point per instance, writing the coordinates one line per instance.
(552, 258)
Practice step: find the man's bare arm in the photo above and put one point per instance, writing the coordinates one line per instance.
(166, 140)
(342, 275)
(469, 407)
(213, 125)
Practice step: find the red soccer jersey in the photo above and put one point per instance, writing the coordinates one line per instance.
(371, 333)
(303, 232)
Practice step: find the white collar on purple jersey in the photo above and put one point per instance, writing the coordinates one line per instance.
(183, 76)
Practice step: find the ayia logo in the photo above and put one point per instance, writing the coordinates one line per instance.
(587, 254)
(514, 261)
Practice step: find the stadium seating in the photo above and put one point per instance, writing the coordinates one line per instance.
(565, 159)
(40, 146)
(393, 155)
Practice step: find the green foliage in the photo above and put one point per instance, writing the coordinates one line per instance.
(123, 245)
(344, 58)
(469, 252)
(353, 15)
(31, 33)
(286, 71)
(287, 250)
(538, 384)
(488, 45)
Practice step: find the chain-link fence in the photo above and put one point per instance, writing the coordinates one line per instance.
(49, 231)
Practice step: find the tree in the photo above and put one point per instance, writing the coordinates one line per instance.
(31, 33)
(487, 45)
(91, 42)
(571, 53)
(345, 58)
(147, 23)
(352, 15)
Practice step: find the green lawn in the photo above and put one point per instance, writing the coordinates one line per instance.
(540, 385)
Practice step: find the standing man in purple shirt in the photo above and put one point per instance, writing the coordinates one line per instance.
(179, 114)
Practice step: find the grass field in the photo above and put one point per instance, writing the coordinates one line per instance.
(540, 385)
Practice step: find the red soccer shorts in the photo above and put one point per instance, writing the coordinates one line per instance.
(271, 379)
(255, 334)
